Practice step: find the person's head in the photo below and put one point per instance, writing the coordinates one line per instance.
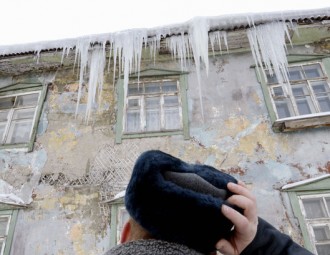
(133, 231)
(172, 200)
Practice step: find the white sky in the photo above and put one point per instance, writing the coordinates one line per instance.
(25, 21)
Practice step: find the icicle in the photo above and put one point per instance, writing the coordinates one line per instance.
(82, 48)
(128, 45)
(179, 46)
(96, 73)
(268, 47)
(198, 37)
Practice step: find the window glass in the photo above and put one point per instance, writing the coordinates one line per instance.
(4, 116)
(133, 121)
(7, 102)
(152, 119)
(135, 89)
(169, 86)
(4, 221)
(171, 117)
(157, 109)
(284, 108)
(19, 132)
(278, 91)
(322, 94)
(295, 73)
(151, 88)
(152, 113)
(323, 249)
(23, 114)
(313, 71)
(17, 117)
(171, 100)
(303, 99)
(314, 208)
(271, 78)
(321, 233)
(27, 100)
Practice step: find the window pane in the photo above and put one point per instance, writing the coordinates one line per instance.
(295, 73)
(23, 114)
(320, 87)
(271, 78)
(2, 131)
(323, 249)
(133, 121)
(283, 108)
(4, 116)
(135, 89)
(314, 208)
(133, 103)
(152, 102)
(303, 107)
(7, 102)
(2, 243)
(321, 233)
(19, 132)
(324, 103)
(27, 100)
(328, 204)
(313, 71)
(3, 226)
(303, 99)
(278, 91)
(171, 101)
(172, 118)
(153, 119)
(169, 86)
(299, 91)
(152, 88)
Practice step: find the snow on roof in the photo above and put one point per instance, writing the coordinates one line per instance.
(223, 22)
(266, 34)
(300, 183)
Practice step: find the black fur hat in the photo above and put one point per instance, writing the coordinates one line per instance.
(179, 202)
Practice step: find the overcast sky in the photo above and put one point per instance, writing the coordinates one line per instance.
(25, 21)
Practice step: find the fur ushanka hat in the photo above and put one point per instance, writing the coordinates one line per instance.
(179, 202)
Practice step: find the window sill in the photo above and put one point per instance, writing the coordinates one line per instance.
(302, 122)
(154, 134)
(16, 147)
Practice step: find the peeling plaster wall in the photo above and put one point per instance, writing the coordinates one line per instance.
(235, 136)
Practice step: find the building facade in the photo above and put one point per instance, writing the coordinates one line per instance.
(249, 95)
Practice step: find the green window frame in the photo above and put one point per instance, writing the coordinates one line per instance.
(8, 220)
(304, 102)
(119, 216)
(155, 105)
(20, 111)
(314, 224)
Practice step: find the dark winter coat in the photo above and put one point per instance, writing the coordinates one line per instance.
(151, 247)
(268, 241)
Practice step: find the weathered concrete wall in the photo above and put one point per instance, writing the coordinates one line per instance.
(65, 216)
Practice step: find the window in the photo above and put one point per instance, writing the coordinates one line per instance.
(7, 226)
(302, 102)
(155, 105)
(19, 114)
(316, 211)
(310, 92)
(310, 200)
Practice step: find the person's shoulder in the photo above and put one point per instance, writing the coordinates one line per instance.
(151, 247)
